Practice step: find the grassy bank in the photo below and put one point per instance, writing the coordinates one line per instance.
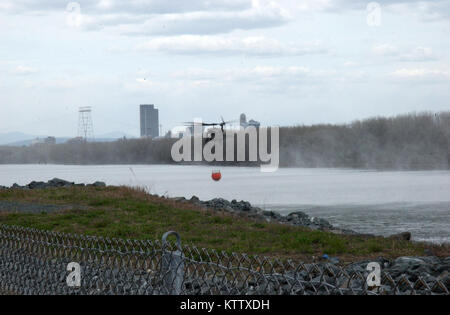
(131, 213)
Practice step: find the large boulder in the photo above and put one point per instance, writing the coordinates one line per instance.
(37, 185)
(414, 266)
(321, 223)
(300, 218)
(194, 199)
(57, 182)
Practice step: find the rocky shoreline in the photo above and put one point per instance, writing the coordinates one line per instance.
(297, 218)
(53, 183)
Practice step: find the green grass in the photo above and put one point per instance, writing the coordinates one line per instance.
(131, 213)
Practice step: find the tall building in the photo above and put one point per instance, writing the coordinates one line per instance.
(149, 121)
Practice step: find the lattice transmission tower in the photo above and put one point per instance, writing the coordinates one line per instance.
(85, 125)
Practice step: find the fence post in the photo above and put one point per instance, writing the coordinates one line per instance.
(172, 266)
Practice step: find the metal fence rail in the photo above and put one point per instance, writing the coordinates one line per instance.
(36, 262)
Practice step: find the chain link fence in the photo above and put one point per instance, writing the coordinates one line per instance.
(37, 262)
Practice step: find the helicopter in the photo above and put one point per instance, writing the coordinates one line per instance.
(222, 124)
(216, 174)
(203, 124)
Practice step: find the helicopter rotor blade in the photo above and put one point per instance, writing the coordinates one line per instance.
(222, 123)
(193, 123)
(229, 122)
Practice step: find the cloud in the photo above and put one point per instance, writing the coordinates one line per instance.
(261, 14)
(428, 10)
(267, 79)
(350, 64)
(70, 81)
(438, 10)
(162, 17)
(419, 54)
(315, 5)
(178, 17)
(24, 70)
(421, 75)
(129, 6)
(256, 74)
(164, 6)
(259, 79)
(226, 45)
(425, 10)
(6, 6)
(385, 50)
(402, 54)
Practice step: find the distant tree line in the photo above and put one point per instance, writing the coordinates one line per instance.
(411, 141)
(123, 151)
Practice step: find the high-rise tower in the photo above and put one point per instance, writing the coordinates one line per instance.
(149, 121)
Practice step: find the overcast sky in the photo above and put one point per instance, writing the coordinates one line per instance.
(281, 62)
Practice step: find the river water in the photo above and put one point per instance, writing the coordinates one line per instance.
(366, 201)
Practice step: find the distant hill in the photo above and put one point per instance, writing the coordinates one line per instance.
(30, 141)
(18, 139)
(12, 137)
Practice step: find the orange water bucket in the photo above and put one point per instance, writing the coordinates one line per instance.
(216, 176)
